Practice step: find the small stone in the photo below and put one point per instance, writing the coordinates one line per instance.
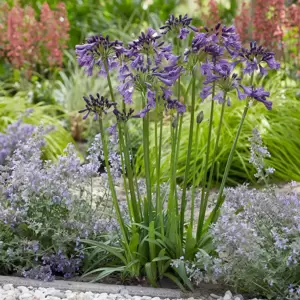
(156, 298)
(39, 294)
(58, 294)
(214, 296)
(9, 297)
(23, 289)
(124, 292)
(238, 297)
(228, 296)
(146, 298)
(191, 298)
(8, 287)
(136, 298)
(26, 296)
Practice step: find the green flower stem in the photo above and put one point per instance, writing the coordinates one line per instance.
(202, 211)
(135, 206)
(180, 129)
(157, 161)
(111, 183)
(194, 176)
(188, 156)
(202, 216)
(220, 199)
(121, 144)
(148, 205)
(109, 81)
(160, 209)
(172, 203)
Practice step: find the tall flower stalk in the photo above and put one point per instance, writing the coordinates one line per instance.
(148, 74)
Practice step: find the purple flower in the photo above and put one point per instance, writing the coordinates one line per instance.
(206, 68)
(206, 91)
(112, 129)
(142, 113)
(258, 94)
(222, 73)
(167, 93)
(123, 115)
(175, 104)
(183, 33)
(146, 50)
(213, 42)
(224, 68)
(180, 24)
(231, 40)
(126, 90)
(257, 55)
(96, 105)
(96, 51)
(151, 98)
(169, 77)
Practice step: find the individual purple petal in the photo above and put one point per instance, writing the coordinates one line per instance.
(272, 63)
(142, 113)
(219, 97)
(183, 33)
(206, 91)
(241, 96)
(151, 98)
(228, 102)
(211, 78)
(259, 94)
(262, 70)
(112, 129)
(206, 68)
(167, 93)
(251, 66)
(175, 104)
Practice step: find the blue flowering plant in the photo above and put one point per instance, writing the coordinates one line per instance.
(159, 78)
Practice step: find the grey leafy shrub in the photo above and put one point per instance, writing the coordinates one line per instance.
(47, 207)
(257, 242)
(15, 133)
(257, 238)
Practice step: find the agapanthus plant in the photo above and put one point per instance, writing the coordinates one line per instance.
(155, 78)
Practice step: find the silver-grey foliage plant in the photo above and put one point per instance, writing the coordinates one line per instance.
(257, 237)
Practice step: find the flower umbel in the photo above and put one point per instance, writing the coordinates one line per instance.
(255, 57)
(96, 105)
(258, 94)
(180, 25)
(96, 51)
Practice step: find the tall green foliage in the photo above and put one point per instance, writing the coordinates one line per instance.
(279, 129)
(12, 108)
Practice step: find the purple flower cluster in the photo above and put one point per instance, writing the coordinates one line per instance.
(181, 26)
(98, 51)
(219, 72)
(255, 57)
(258, 154)
(96, 105)
(146, 65)
(149, 67)
(214, 42)
(15, 133)
(60, 264)
(43, 273)
(258, 232)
